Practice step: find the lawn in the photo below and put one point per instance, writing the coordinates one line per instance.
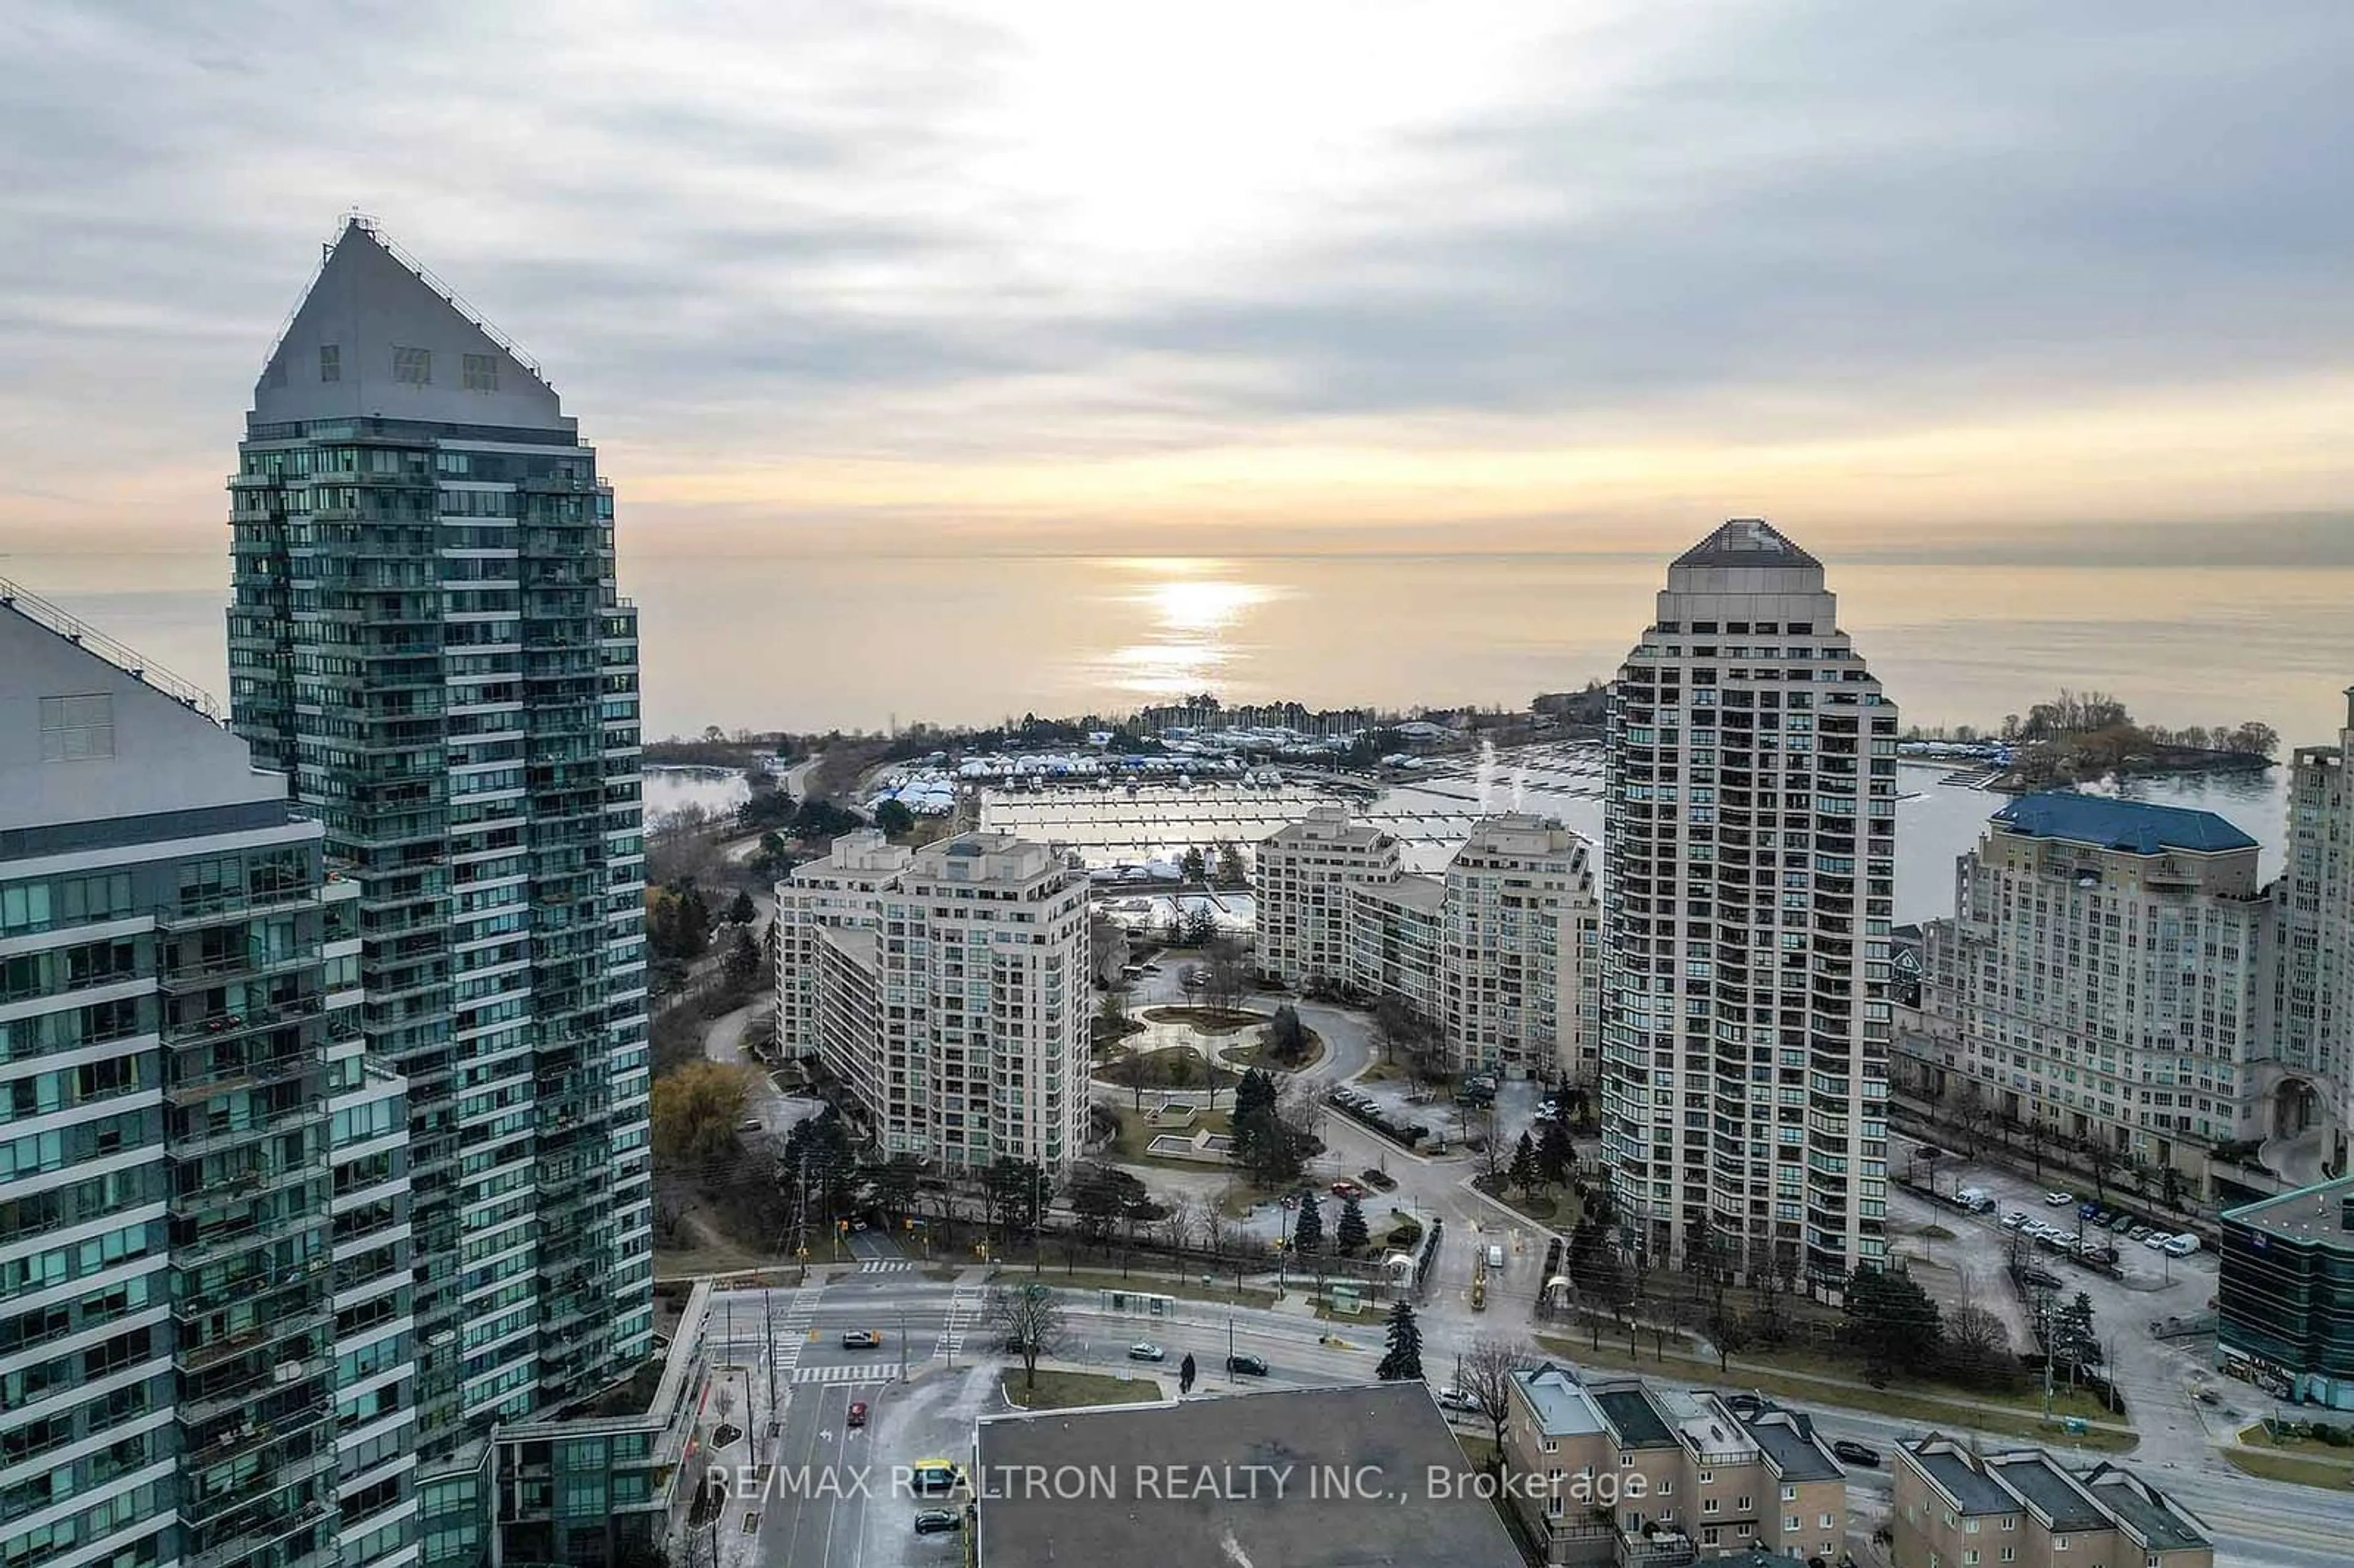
(1072, 1391)
(1918, 1403)
(1171, 1067)
(1551, 1210)
(1259, 1055)
(1137, 1133)
(2295, 1460)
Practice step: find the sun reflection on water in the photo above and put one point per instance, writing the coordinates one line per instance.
(1193, 617)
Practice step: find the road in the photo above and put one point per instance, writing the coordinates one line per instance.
(934, 1326)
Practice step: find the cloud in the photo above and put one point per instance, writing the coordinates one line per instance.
(1069, 268)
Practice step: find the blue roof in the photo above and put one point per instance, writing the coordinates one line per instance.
(2134, 825)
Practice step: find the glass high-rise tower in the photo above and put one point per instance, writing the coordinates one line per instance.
(1748, 888)
(426, 638)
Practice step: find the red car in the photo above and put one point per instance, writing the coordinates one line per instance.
(1346, 1189)
(858, 1412)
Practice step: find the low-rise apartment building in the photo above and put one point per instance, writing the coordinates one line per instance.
(1639, 1477)
(946, 987)
(1500, 953)
(1955, 1508)
(2100, 976)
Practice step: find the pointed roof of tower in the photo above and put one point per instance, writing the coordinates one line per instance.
(1747, 542)
(377, 335)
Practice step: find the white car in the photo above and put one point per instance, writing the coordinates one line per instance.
(1453, 1398)
(2155, 1241)
(2014, 1219)
(2182, 1245)
(2058, 1200)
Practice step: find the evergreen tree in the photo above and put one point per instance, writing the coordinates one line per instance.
(1192, 868)
(1402, 1363)
(1556, 1156)
(1352, 1235)
(742, 911)
(1523, 1173)
(1308, 1229)
(1895, 1322)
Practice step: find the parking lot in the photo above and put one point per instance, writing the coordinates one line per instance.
(2159, 1378)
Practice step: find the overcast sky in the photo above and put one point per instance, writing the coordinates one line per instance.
(1976, 278)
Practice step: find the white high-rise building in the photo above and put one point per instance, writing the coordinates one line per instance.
(947, 987)
(1500, 953)
(1519, 981)
(1749, 884)
(841, 891)
(2310, 1079)
(2099, 980)
(1305, 870)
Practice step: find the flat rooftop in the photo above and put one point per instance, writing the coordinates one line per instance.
(1245, 1478)
(1426, 893)
(1793, 1452)
(2130, 1498)
(1976, 1493)
(1561, 1405)
(1633, 1416)
(2050, 1489)
(2309, 1215)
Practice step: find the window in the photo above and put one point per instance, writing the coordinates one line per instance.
(1830, 1522)
(77, 729)
(1791, 1521)
(480, 372)
(413, 365)
(1708, 1505)
(2058, 1544)
(331, 361)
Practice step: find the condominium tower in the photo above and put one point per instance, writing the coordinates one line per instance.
(1749, 881)
(1304, 872)
(947, 988)
(205, 1353)
(425, 636)
(1498, 954)
(2099, 978)
(1521, 989)
(2310, 1079)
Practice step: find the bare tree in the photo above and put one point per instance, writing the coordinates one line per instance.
(1216, 1229)
(1029, 1321)
(1177, 1226)
(1487, 1377)
(1225, 979)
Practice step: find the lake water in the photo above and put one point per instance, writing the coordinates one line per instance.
(817, 642)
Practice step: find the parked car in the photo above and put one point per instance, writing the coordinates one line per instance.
(2182, 1245)
(857, 1412)
(750, 1124)
(2139, 1232)
(1146, 1350)
(1246, 1366)
(939, 1521)
(861, 1340)
(2014, 1219)
(2058, 1200)
(2122, 1222)
(2155, 1241)
(2088, 1209)
(2042, 1278)
(1855, 1453)
(2102, 1216)
(1453, 1398)
(1344, 1188)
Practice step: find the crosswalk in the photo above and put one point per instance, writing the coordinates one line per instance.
(964, 1311)
(885, 1265)
(800, 1321)
(841, 1374)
